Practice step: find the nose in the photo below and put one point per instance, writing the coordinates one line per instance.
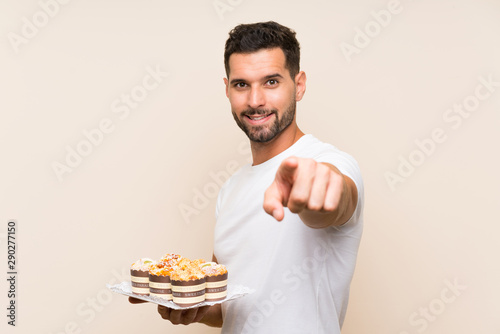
(256, 98)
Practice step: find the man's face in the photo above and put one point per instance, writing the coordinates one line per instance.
(262, 93)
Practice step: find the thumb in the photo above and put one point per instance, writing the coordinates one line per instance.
(273, 202)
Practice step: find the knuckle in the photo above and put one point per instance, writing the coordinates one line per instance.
(296, 207)
(323, 170)
(330, 205)
(336, 178)
(311, 163)
(314, 206)
(298, 199)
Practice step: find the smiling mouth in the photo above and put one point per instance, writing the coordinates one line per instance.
(258, 117)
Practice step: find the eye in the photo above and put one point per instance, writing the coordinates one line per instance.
(272, 82)
(240, 85)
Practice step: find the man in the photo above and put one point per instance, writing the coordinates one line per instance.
(289, 224)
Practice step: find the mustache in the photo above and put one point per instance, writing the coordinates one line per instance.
(253, 112)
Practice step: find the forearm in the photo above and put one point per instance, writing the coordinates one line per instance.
(213, 317)
(343, 210)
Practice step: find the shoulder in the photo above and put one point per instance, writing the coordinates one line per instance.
(325, 152)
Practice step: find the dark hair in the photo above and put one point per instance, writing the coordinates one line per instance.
(248, 38)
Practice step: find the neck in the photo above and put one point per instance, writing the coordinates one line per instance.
(261, 152)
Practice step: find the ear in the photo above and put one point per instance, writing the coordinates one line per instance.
(300, 85)
(226, 82)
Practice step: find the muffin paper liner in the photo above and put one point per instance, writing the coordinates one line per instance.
(233, 292)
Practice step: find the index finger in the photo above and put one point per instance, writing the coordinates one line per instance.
(287, 168)
(273, 202)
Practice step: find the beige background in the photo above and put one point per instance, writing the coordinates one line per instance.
(124, 200)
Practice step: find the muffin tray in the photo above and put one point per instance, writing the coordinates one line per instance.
(233, 292)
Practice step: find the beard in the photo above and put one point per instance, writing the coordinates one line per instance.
(267, 132)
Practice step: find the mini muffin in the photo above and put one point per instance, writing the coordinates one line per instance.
(216, 281)
(139, 272)
(188, 283)
(159, 281)
(159, 276)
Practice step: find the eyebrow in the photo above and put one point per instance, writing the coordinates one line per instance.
(267, 77)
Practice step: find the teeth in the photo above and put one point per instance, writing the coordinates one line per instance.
(258, 118)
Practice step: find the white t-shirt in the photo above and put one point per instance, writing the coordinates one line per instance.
(301, 275)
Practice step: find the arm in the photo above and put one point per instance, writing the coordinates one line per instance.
(318, 192)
